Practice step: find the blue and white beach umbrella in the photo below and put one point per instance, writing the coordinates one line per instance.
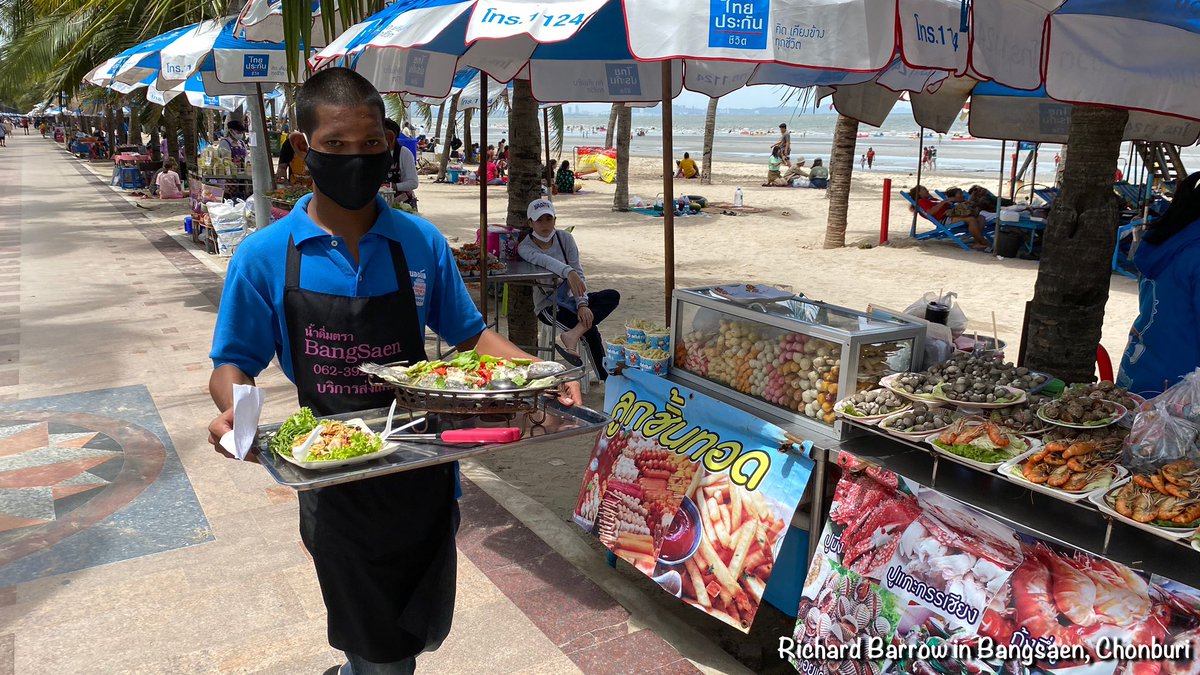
(133, 65)
(224, 57)
(262, 21)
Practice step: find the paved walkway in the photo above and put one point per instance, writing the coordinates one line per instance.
(127, 545)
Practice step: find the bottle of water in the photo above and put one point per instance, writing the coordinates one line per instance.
(737, 198)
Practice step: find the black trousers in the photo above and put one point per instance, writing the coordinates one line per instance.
(602, 303)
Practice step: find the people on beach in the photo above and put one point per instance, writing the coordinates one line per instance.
(383, 547)
(576, 311)
(3, 136)
(870, 158)
(1162, 345)
(169, 185)
(784, 144)
(946, 211)
(818, 175)
(402, 174)
(688, 168)
(862, 161)
(564, 179)
(774, 175)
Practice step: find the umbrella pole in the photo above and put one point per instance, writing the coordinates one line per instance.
(920, 165)
(668, 189)
(483, 202)
(1033, 177)
(1000, 188)
(546, 173)
(261, 176)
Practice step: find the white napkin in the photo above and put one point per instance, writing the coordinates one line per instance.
(247, 405)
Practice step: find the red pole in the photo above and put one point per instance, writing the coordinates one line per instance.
(1012, 179)
(887, 211)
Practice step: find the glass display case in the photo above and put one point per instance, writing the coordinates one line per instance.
(790, 358)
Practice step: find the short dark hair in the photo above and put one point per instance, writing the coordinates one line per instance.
(782, 126)
(236, 125)
(686, 156)
(340, 87)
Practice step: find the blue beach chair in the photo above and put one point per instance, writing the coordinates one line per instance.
(957, 232)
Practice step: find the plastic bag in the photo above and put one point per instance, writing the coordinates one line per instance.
(1158, 437)
(1182, 399)
(229, 223)
(957, 321)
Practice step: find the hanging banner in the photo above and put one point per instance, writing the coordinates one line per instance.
(908, 580)
(696, 494)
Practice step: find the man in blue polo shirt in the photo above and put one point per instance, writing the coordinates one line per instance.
(343, 280)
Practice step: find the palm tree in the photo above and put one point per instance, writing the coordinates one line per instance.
(841, 169)
(710, 128)
(1067, 312)
(524, 186)
(441, 112)
(624, 133)
(449, 135)
(612, 124)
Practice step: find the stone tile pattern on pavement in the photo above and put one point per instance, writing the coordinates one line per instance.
(591, 628)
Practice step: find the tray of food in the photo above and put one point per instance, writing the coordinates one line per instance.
(751, 293)
(467, 259)
(321, 445)
(1068, 471)
(913, 386)
(1021, 418)
(988, 370)
(969, 393)
(1081, 412)
(979, 443)
(472, 383)
(871, 406)
(1165, 502)
(918, 423)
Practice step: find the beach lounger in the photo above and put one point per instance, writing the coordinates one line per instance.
(1046, 194)
(957, 232)
(989, 218)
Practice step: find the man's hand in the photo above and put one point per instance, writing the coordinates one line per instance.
(218, 428)
(585, 317)
(569, 393)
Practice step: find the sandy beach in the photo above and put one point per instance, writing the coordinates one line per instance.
(625, 250)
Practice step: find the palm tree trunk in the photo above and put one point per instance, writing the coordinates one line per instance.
(466, 121)
(612, 124)
(171, 127)
(135, 123)
(119, 118)
(441, 114)
(710, 128)
(624, 132)
(187, 124)
(110, 125)
(524, 186)
(841, 170)
(1067, 311)
(156, 139)
(449, 136)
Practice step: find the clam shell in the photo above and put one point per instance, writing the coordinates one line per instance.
(849, 627)
(824, 626)
(848, 668)
(836, 635)
(810, 621)
(842, 607)
(881, 626)
(874, 604)
(825, 599)
(863, 615)
(844, 587)
(868, 668)
(862, 591)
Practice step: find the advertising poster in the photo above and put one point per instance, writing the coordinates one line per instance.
(908, 580)
(694, 493)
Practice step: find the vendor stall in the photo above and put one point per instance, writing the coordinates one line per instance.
(965, 495)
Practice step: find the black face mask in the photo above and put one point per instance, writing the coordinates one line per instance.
(351, 181)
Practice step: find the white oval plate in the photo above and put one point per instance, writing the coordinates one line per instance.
(1098, 498)
(867, 419)
(982, 466)
(917, 436)
(1011, 472)
(1019, 393)
(324, 465)
(886, 382)
(1116, 418)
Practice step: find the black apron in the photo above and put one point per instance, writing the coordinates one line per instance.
(383, 547)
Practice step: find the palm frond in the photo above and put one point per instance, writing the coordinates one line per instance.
(557, 125)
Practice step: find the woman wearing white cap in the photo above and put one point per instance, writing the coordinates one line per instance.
(576, 311)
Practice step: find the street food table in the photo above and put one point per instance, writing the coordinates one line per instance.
(516, 273)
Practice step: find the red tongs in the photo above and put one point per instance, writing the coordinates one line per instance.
(466, 436)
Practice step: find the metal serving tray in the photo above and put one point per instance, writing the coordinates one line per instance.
(560, 422)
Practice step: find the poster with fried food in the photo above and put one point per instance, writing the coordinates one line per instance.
(694, 493)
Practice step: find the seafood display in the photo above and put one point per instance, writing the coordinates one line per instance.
(916, 386)
(980, 441)
(1106, 391)
(1022, 419)
(1077, 407)
(970, 392)
(872, 510)
(1168, 498)
(469, 371)
(1078, 467)
(467, 259)
(873, 404)
(919, 422)
(988, 371)
(843, 609)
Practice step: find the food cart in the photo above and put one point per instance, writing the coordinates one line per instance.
(920, 545)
